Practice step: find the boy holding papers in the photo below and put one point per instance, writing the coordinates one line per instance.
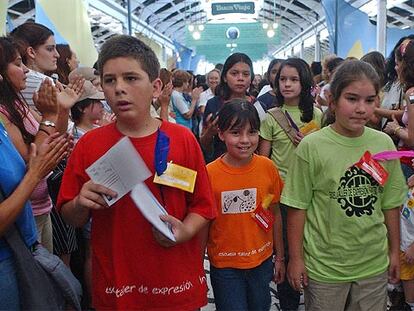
(134, 266)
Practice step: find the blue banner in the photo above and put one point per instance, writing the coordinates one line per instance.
(356, 35)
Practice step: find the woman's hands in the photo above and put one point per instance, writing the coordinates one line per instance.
(210, 126)
(45, 99)
(44, 159)
(195, 94)
(68, 96)
(50, 99)
(392, 127)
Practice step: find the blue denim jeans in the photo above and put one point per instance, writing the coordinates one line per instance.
(407, 170)
(9, 290)
(242, 289)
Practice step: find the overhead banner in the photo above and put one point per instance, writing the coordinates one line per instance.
(227, 11)
(69, 21)
(3, 14)
(356, 34)
(217, 41)
(232, 7)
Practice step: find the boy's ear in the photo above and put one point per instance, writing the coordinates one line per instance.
(156, 87)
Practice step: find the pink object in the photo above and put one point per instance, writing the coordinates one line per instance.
(392, 155)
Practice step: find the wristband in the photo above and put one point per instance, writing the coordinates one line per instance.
(279, 259)
(48, 123)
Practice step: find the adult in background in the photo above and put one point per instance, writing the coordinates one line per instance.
(183, 108)
(23, 128)
(66, 63)
(267, 95)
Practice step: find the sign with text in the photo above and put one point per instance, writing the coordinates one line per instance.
(232, 7)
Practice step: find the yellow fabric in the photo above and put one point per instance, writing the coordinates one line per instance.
(3, 14)
(406, 270)
(154, 46)
(72, 22)
(356, 50)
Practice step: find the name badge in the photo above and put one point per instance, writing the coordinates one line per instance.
(262, 216)
(177, 176)
(310, 127)
(373, 168)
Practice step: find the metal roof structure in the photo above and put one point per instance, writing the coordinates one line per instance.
(167, 19)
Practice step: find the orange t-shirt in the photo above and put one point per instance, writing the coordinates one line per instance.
(235, 239)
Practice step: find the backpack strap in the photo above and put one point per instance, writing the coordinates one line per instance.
(283, 122)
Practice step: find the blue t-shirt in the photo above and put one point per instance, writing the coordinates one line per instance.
(178, 99)
(267, 100)
(12, 171)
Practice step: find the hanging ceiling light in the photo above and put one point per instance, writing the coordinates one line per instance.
(265, 25)
(196, 35)
(200, 27)
(191, 28)
(270, 33)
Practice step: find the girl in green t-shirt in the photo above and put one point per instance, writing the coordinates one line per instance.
(343, 222)
(293, 84)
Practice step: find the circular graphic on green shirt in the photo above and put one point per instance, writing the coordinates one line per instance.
(357, 192)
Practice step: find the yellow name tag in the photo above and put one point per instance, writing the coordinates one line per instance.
(311, 127)
(178, 177)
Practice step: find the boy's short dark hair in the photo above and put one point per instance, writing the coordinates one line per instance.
(129, 46)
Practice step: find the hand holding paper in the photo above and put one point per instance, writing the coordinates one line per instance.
(151, 209)
(119, 169)
(91, 196)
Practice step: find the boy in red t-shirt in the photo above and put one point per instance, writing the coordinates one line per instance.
(134, 266)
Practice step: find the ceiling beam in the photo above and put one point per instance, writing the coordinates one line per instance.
(115, 10)
(24, 18)
(12, 3)
(162, 16)
(179, 18)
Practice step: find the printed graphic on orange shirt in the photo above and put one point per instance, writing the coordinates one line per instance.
(238, 201)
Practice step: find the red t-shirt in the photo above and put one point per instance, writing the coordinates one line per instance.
(130, 270)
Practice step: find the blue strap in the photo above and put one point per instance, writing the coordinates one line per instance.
(162, 147)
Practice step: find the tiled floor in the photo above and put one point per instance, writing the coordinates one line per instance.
(211, 306)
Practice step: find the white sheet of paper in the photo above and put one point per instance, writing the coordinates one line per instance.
(149, 206)
(119, 169)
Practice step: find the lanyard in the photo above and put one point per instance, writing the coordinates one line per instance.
(162, 147)
(292, 123)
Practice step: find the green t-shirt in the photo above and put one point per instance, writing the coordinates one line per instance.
(282, 147)
(345, 238)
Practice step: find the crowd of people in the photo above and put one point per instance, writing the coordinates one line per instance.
(308, 181)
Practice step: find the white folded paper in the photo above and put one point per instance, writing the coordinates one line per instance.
(149, 206)
(119, 169)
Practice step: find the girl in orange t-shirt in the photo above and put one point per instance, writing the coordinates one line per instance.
(248, 228)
